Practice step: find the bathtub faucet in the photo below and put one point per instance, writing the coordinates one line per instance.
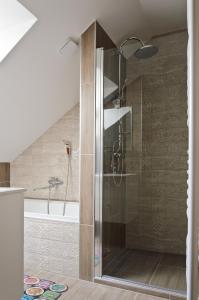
(53, 182)
(41, 188)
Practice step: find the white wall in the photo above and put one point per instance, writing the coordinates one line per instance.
(37, 88)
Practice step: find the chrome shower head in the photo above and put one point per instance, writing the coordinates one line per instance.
(146, 51)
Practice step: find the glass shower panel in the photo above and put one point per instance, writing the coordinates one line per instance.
(122, 152)
(115, 127)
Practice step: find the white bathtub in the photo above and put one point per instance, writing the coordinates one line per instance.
(51, 241)
(35, 208)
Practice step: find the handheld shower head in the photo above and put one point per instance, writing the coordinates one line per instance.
(68, 147)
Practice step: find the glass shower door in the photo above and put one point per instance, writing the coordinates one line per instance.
(141, 172)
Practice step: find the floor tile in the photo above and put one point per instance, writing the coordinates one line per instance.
(138, 267)
(169, 277)
(174, 260)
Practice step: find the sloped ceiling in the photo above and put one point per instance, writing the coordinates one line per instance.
(15, 21)
(38, 85)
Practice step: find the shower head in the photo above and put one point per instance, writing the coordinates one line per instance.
(145, 51)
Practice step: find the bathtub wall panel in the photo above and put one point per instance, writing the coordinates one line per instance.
(46, 157)
(52, 247)
(4, 174)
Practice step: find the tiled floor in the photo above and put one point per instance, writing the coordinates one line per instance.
(160, 270)
(84, 290)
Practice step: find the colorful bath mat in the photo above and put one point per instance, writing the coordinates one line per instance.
(45, 284)
(59, 288)
(34, 291)
(49, 295)
(26, 297)
(31, 280)
(41, 289)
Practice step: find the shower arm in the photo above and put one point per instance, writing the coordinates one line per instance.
(130, 39)
(120, 60)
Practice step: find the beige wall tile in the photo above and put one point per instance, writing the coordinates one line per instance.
(46, 157)
(86, 252)
(88, 46)
(87, 189)
(159, 199)
(87, 128)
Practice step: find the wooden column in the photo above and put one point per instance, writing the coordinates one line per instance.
(91, 39)
(4, 174)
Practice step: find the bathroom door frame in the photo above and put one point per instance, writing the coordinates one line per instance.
(193, 156)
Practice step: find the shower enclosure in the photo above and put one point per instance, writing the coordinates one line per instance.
(141, 164)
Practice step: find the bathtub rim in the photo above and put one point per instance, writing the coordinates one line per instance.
(55, 218)
(52, 217)
(46, 199)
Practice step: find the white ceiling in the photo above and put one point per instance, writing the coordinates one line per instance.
(38, 85)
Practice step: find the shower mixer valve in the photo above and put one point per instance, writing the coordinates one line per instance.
(54, 182)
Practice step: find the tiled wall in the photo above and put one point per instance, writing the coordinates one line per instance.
(4, 174)
(52, 247)
(156, 195)
(47, 157)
